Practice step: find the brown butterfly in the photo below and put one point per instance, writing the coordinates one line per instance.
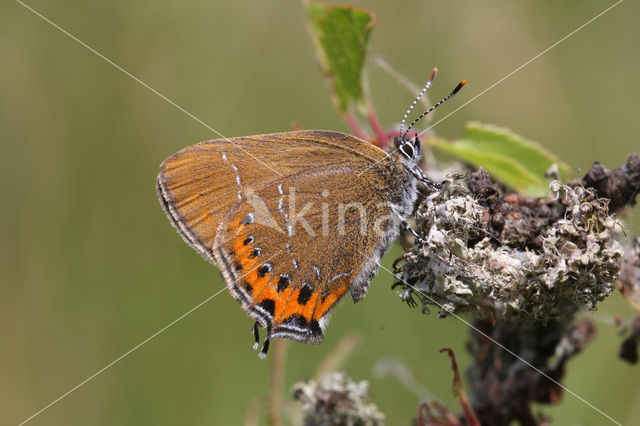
(293, 220)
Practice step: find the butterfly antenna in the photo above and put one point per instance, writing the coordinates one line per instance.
(443, 100)
(415, 101)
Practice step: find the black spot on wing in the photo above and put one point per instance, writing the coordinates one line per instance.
(268, 305)
(315, 329)
(264, 269)
(297, 321)
(305, 294)
(283, 283)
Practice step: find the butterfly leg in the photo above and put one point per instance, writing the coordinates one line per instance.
(265, 348)
(405, 226)
(431, 185)
(256, 335)
(422, 177)
(265, 345)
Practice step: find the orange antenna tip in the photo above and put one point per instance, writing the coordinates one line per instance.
(433, 74)
(458, 87)
(443, 100)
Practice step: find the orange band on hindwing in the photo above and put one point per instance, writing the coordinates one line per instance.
(325, 303)
(276, 296)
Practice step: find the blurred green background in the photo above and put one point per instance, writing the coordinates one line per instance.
(91, 267)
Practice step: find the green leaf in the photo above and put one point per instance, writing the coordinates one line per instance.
(340, 34)
(511, 159)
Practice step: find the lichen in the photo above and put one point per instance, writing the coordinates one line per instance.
(335, 399)
(629, 278)
(459, 263)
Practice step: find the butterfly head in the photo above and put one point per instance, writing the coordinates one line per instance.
(406, 152)
(408, 149)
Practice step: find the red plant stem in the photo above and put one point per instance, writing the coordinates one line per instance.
(424, 415)
(458, 390)
(447, 418)
(352, 122)
(381, 138)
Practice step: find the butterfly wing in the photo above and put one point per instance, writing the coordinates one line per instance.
(200, 184)
(293, 237)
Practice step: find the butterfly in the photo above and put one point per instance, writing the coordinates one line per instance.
(293, 220)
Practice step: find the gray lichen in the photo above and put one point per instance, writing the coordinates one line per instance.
(335, 399)
(629, 279)
(460, 264)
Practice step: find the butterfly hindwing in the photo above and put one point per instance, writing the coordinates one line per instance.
(288, 275)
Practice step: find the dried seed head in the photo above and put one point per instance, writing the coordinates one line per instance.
(335, 399)
(462, 264)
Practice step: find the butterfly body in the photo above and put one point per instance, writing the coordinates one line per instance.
(291, 235)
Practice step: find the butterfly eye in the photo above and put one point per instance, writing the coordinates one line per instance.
(407, 149)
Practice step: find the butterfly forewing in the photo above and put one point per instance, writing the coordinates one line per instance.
(291, 238)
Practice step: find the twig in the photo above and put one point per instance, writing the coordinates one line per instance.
(403, 81)
(402, 373)
(459, 392)
(253, 411)
(336, 357)
(279, 357)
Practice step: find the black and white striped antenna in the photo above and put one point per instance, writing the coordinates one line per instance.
(443, 100)
(415, 101)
